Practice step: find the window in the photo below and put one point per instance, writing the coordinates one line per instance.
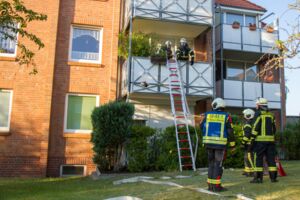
(78, 112)
(7, 45)
(5, 109)
(86, 45)
(235, 71)
(72, 170)
(250, 20)
(251, 73)
(230, 18)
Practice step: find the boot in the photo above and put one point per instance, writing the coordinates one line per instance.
(258, 177)
(220, 188)
(273, 177)
(210, 187)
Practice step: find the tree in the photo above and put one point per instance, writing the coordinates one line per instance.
(111, 128)
(288, 48)
(14, 19)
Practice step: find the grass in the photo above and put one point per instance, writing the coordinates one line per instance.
(88, 189)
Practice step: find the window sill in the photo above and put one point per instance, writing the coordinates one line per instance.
(83, 64)
(77, 135)
(4, 133)
(7, 58)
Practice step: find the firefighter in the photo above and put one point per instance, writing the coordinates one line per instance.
(184, 52)
(263, 132)
(168, 49)
(247, 142)
(217, 132)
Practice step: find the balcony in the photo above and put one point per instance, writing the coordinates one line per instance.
(197, 79)
(244, 94)
(185, 11)
(243, 39)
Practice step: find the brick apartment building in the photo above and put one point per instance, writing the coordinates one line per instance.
(45, 119)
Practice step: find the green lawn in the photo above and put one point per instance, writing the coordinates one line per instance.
(86, 188)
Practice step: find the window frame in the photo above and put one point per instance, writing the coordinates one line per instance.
(245, 64)
(72, 175)
(225, 20)
(16, 49)
(100, 29)
(7, 129)
(66, 112)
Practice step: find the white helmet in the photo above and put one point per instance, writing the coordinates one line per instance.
(218, 103)
(261, 101)
(168, 43)
(183, 40)
(248, 113)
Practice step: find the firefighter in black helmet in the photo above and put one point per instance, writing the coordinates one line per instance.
(184, 52)
(263, 132)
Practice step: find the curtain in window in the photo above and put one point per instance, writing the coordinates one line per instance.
(6, 44)
(79, 112)
(4, 108)
(85, 44)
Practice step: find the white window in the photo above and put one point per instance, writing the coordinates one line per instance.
(5, 109)
(8, 47)
(231, 17)
(85, 44)
(78, 110)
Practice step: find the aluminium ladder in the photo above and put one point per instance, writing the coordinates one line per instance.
(180, 111)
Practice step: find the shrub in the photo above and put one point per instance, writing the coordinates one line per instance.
(138, 148)
(291, 141)
(111, 127)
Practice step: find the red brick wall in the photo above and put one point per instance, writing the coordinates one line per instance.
(70, 77)
(203, 47)
(24, 149)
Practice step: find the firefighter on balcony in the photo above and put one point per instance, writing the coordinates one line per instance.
(184, 52)
(167, 48)
(217, 132)
(247, 142)
(263, 132)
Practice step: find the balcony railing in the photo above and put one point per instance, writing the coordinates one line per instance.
(244, 94)
(197, 79)
(244, 39)
(192, 11)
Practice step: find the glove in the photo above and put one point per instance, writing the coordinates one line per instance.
(192, 61)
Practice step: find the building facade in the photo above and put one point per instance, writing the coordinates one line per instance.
(45, 125)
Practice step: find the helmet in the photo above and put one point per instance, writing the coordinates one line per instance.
(218, 103)
(183, 40)
(168, 43)
(248, 113)
(262, 101)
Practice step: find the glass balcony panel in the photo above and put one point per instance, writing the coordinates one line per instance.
(272, 91)
(233, 90)
(251, 39)
(231, 37)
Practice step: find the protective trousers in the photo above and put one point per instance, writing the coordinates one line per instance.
(248, 161)
(267, 149)
(215, 170)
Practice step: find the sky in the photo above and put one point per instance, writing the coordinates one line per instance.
(286, 17)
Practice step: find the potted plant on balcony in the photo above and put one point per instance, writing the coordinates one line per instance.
(158, 55)
(236, 25)
(270, 29)
(252, 27)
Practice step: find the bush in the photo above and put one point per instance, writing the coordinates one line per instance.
(138, 148)
(291, 141)
(111, 127)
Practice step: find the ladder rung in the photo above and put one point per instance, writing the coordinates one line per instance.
(187, 165)
(176, 95)
(182, 132)
(178, 101)
(184, 148)
(173, 74)
(175, 81)
(183, 140)
(180, 117)
(175, 88)
(172, 68)
(181, 124)
(185, 156)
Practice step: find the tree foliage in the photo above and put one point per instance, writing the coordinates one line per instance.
(111, 128)
(14, 19)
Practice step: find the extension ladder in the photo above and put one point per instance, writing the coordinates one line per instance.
(181, 115)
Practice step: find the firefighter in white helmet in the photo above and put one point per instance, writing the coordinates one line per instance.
(217, 133)
(263, 132)
(247, 142)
